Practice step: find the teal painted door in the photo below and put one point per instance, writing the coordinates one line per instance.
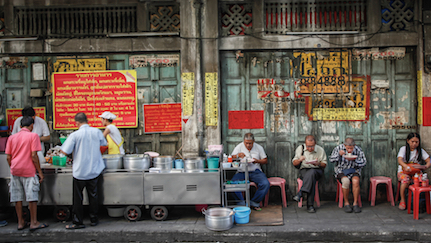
(287, 124)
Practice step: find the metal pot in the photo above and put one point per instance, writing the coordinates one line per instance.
(113, 161)
(164, 163)
(136, 162)
(219, 219)
(194, 164)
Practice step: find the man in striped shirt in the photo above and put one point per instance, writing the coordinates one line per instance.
(349, 160)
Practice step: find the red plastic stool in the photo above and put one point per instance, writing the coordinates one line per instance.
(416, 192)
(316, 194)
(277, 181)
(374, 181)
(340, 197)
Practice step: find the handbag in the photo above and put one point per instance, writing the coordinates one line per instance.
(349, 171)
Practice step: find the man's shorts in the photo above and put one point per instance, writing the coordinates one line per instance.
(24, 186)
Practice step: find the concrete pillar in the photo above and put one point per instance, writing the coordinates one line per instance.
(424, 49)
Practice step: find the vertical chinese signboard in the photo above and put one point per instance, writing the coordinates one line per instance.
(93, 93)
(13, 114)
(162, 118)
(188, 87)
(211, 95)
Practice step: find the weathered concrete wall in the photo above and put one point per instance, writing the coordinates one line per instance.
(424, 49)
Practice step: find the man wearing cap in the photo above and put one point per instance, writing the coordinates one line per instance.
(112, 134)
(87, 167)
(40, 127)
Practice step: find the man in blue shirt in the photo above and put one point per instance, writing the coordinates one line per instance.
(87, 167)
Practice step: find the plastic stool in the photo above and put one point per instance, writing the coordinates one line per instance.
(374, 181)
(277, 181)
(316, 194)
(340, 196)
(416, 193)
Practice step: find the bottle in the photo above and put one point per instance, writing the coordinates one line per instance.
(229, 159)
(425, 180)
(416, 180)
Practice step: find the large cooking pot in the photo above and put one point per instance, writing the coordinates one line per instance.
(136, 162)
(164, 163)
(219, 219)
(194, 164)
(113, 161)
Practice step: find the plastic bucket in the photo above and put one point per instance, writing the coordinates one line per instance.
(213, 163)
(179, 164)
(242, 215)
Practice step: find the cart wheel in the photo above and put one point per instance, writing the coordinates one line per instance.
(132, 213)
(61, 213)
(159, 213)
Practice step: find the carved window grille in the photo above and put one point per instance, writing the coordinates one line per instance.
(164, 18)
(283, 17)
(236, 19)
(63, 22)
(397, 15)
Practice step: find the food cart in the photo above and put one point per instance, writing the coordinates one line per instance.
(137, 190)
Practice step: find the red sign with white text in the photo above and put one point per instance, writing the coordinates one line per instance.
(94, 93)
(246, 119)
(426, 104)
(162, 118)
(13, 114)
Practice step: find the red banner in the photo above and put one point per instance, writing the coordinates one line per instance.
(162, 118)
(13, 114)
(246, 119)
(94, 93)
(426, 104)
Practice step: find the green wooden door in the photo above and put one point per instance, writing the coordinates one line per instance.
(287, 124)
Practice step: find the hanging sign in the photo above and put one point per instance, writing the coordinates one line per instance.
(426, 111)
(93, 93)
(14, 62)
(13, 114)
(211, 95)
(325, 72)
(246, 119)
(162, 118)
(154, 60)
(80, 64)
(188, 87)
(354, 107)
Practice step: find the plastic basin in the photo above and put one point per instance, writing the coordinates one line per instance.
(242, 215)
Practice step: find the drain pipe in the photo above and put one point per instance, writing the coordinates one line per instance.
(197, 4)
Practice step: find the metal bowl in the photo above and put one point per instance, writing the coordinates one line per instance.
(219, 219)
(113, 161)
(136, 162)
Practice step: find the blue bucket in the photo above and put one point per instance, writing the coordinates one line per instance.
(242, 215)
(179, 164)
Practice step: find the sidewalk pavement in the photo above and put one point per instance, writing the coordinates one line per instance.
(382, 223)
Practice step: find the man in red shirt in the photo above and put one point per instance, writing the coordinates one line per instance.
(21, 150)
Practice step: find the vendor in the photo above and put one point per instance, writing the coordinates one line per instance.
(253, 151)
(40, 127)
(112, 134)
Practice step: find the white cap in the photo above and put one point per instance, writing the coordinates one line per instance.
(108, 115)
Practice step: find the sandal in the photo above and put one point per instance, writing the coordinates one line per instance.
(26, 224)
(402, 206)
(256, 208)
(75, 226)
(40, 226)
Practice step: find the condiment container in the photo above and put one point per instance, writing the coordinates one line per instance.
(425, 180)
(416, 180)
(229, 159)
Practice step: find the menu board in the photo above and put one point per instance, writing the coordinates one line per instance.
(13, 114)
(162, 118)
(94, 93)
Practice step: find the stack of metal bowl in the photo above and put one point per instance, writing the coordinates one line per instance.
(113, 161)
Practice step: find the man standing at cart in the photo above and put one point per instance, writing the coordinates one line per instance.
(21, 150)
(254, 152)
(87, 168)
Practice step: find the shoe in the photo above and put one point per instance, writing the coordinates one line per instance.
(402, 206)
(356, 209)
(95, 223)
(3, 223)
(348, 209)
(75, 226)
(297, 197)
(311, 209)
(41, 226)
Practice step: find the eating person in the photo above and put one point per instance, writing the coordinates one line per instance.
(310, 159)
(349, 160)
